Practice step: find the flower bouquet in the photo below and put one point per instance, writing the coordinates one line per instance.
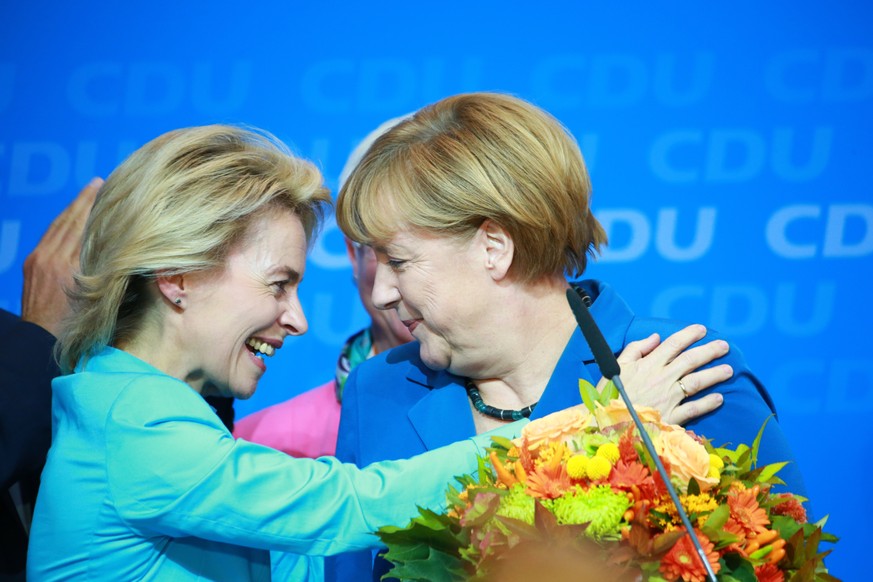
(577, 496)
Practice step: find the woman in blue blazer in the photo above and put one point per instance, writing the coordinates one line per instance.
(478, 208)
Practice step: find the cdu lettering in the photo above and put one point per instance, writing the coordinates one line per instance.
(220, 89)
(384, 85)
(154, 88)
(629, 232)
(613, 81)
(813, 385)
(38, 168)
(740, 310)
(738, 155)
(799, 313)
(44, 168)
(805, 231)
(831, 76)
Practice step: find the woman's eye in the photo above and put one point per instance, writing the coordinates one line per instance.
(280, 286)
(395, 264)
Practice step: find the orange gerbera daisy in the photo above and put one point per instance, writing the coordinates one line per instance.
(682, 561)
(769, 573)
(745, 510)
(626, 475)
(549, 480)
(734, 527)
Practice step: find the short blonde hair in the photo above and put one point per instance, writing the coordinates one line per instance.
(473, 157)
(178, 205)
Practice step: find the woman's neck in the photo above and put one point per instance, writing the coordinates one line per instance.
(536, 325)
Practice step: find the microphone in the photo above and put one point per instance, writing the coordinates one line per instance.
(611, 370)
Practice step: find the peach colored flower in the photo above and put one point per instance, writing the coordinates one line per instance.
(615, 412)
(555, 427)
(687, 458)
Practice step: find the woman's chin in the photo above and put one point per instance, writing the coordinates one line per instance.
(244, 393)
(436, 362)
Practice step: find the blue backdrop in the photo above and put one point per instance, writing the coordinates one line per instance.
(728, 145)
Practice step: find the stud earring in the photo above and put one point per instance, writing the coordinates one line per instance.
(178, 301)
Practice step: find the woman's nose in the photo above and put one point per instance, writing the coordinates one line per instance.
(386, 295)
(293, 319)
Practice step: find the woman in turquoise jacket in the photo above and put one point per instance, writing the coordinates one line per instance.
(190, 267)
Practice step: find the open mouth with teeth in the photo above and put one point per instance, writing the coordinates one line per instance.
(260, 348)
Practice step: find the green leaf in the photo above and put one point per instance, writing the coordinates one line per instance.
(589, 394)
(435, 566)
(740, 569)
(768, 471)
(609, 392)
(502, 442)
(714, 524)
(756, 444)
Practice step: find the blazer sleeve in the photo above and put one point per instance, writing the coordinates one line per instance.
(747, 407)
(27, 368)
(176, 471)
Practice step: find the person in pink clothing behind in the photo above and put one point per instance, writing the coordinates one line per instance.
(307, 424)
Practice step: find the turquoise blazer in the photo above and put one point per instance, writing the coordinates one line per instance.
(144, 482)
(395, 407)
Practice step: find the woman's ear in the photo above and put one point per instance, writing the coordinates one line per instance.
(172, 289)
(499, 249)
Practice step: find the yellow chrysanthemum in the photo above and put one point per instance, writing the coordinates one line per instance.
(699, 503)
(715, 461)
(609, 451)
(598, 468)
(577, 466)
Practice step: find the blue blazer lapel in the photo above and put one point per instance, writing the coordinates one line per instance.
(443, 415)
(562, 391)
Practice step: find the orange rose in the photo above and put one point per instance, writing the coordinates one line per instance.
(686, 456)
(555, 427)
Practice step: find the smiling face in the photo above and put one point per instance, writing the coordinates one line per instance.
(439, 288)
(234, 319)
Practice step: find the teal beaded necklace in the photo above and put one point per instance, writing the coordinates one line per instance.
(498, 413)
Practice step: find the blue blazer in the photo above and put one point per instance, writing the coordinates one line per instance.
(395, 407)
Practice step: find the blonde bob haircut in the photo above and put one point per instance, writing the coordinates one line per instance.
(178, 205)
(476, 157)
